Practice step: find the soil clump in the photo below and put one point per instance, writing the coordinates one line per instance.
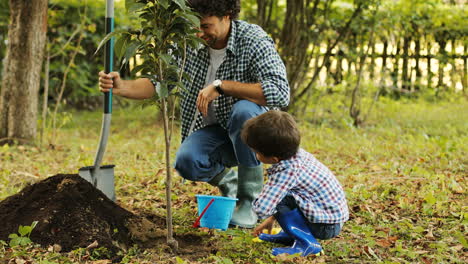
(73, 214)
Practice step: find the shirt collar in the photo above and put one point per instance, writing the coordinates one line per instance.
(284, 164)
(231, 45)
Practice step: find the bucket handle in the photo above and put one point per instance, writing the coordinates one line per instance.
(197, 222)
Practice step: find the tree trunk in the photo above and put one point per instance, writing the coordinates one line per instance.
(465, 69)
(429, 64)
(405, 76)
(372, 64)
(383, 71)
(443, 52)
(417, 67)
(22, 69)
(453, 62)
(396, 69)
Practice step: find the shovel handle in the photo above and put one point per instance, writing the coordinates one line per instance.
(109, 53)
(197, 222)
(108, 65)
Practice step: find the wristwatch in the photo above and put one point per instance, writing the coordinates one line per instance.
(217, 84)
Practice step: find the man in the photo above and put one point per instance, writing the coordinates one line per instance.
(237, 75)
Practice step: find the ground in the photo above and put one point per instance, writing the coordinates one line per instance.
(404, 173)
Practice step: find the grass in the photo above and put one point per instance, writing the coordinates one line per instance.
(404, 174)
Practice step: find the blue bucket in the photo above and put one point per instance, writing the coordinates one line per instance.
(219, 214)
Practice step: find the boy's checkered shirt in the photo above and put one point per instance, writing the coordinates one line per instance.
(251, 57)
(316, 190)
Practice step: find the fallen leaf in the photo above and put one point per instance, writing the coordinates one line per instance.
(102, 261)
(384, 243)
(427, 261)
(457, 248)
(95, 244)
(421, 252)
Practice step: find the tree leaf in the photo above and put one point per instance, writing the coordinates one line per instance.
(162, 90)
(107, 38)
(180, 3)
(132, 49)
(192, 18)
(121, 46)
(133, 6)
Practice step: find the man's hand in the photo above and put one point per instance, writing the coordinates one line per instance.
(267, 224)
(205, 97)
(110, 80)
(134, 89)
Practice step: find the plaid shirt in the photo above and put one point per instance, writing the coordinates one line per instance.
(251, 57)
(317, 192)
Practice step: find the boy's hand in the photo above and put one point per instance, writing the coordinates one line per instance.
(267, 224)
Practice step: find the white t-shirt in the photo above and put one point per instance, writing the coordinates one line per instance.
(216, 58)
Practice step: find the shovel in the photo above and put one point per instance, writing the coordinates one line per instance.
(102, 177)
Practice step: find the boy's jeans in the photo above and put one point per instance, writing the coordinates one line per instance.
(319, 230)
(206, 152)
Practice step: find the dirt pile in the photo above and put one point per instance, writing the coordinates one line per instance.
(72, 213)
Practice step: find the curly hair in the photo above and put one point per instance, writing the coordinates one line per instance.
(217, 8)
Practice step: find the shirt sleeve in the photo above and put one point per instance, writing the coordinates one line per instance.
(269, 69)
(273, 192)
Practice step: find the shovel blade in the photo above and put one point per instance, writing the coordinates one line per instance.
(104, 179)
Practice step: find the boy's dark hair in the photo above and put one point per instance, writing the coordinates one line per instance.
(217, 8)
(273, 134)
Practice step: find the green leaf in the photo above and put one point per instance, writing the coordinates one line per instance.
(132, 48)
(23, 241)
(192, 18)
(430, 199)
(164, 4)
(121, 46)
(131, 6)
(166, 58)
(24, 230)
(162, 90)
(179, 260)
(13, 236)
(180, 3)
(462, 239)
(33, 225)
(14, 242)
(107, 38)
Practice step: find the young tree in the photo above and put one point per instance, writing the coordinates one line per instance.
(167, 29)
(22, 69)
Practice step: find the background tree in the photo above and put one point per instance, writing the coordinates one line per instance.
(22, 68)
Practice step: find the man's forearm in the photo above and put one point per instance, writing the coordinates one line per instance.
(249, 91)
(137, 89)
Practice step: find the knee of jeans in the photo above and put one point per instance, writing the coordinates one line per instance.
(184, 164)
(242, 111)
(327, 232)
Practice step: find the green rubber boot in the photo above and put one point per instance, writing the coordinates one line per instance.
(249, 187)
(226, 182)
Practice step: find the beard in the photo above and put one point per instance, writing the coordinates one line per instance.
(211, 41)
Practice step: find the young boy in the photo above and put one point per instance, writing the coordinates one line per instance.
(301, 193)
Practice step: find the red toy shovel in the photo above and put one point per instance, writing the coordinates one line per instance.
(197, 222)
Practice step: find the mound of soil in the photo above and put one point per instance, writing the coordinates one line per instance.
(72, 213)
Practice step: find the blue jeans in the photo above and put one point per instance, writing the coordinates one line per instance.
(208, 151)
(319, 230)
